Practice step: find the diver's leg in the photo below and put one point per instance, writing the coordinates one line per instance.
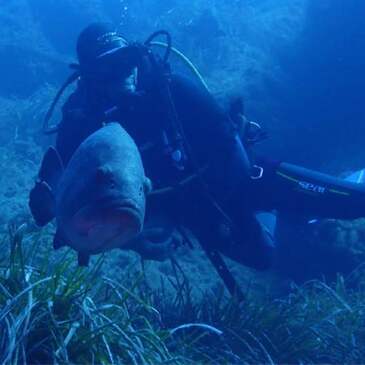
(252, 247)
(287, 187)
(250, 240)
(228, 172)
(251, 244)
(230, 205)
(237, 233)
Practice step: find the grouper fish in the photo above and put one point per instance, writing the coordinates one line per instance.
(99, 199)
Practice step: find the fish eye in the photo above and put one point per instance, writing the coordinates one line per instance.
(147, 186)
(104, 176)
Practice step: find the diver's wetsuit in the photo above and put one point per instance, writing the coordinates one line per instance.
(307, 193)
(226, 184)
(214, 146)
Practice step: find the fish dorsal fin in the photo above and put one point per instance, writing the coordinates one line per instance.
(51, 167)
(59, 240)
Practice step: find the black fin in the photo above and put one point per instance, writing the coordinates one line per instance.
(51, 167)
(236, 106)
(42, 203)
(58, 240)
(83, 259)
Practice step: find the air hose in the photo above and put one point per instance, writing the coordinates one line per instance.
(47, 129)
(185, 59)
(168, 45)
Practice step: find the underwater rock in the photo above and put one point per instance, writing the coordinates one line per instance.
(353, 237)
(328, 231)
(324, 249)
(25, 51)
(10, 192)
(51, 17)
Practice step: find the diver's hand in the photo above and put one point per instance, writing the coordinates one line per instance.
(156, 244)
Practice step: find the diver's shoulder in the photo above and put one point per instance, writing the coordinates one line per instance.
(183, 80)
(75, 100)
(188, 86)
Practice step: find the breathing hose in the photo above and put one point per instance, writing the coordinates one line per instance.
(47, 129)
(186, 60)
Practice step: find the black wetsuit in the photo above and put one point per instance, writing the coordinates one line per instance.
(226, 184)
(213, 146)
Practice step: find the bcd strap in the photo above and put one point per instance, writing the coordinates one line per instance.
(222, 269)
(47, 129)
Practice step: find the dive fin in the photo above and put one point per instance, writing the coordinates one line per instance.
(357, 177)
(51, 167)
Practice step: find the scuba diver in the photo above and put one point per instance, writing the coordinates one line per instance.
(191, 144)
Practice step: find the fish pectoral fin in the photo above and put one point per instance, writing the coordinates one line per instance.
(42, 203)
(59, 240)
(51, 167)
(96, 232)
(156, 243)
(41, 197)
(83, 259)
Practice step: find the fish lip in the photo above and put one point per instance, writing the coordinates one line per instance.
(105, 246)
(116, 205)
(122, 206)
(126, 205)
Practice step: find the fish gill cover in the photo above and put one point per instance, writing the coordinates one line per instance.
(299, 66)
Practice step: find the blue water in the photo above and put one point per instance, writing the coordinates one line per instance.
(300, 63)
(325, 79)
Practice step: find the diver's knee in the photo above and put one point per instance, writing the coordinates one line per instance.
(260, 251)
(257, 254)
(266, 259)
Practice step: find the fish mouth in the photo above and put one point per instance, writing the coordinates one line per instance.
(109, 225)
(126, 212)
(127, 208)
(123, 206)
